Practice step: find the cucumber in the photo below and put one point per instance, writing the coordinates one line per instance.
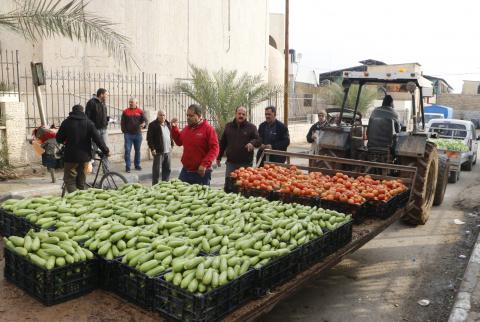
(207, 278)
(155, 271)
(147, 266)
(17, 241)
(37, 260)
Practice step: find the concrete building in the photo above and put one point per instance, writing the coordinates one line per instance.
(471, 87)
(467, 104)
(166, 37)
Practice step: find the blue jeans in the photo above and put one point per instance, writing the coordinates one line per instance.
(136, 140)
(193, 177)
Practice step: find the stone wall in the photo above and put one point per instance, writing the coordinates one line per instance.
(14, 133)
(465, 106)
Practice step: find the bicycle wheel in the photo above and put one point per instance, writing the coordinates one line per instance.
(112, 181)
(64, 189)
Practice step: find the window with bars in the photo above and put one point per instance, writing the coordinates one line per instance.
(307, 100)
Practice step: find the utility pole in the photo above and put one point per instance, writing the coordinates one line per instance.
(38, 79)
(287, 63)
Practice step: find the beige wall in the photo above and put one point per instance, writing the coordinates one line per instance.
(167, 36)
(470, 87)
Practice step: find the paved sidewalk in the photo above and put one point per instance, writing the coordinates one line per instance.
(467, 303)
(42, 185)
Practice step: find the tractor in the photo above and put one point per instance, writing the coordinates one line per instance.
(346, 138)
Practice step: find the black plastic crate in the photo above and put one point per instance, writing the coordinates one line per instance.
(251, 192)
(12, 225)
(107, 274)
(278, 271)
(306, 201)
(357, 211)
(315, 250)
(131, 284)
(178, 304)
(385, 209)
(230, 185)
(51, 286)
(340, 237)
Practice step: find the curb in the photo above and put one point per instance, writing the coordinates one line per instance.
(462, 305)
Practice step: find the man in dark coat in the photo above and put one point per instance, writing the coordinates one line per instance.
(274, 135)
(383, 125)
(96, 111)
(238, 141)
(160, 143)
(77, 133)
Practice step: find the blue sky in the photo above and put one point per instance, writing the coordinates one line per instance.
(443, 36)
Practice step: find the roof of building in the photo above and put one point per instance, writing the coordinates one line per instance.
(305, 75)
(433, 78)
(361, 68)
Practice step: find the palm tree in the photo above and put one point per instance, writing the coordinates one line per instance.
(41, 19)
(223, 91)
(334, 93)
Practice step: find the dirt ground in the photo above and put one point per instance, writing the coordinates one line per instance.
(382, 281)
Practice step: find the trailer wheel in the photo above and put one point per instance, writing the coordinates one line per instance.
(442, 180)
(467, 166)
(424, 186)
(474, 159)
(454, 176)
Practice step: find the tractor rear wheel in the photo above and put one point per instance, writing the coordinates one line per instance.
(442, 180)
(424, 186)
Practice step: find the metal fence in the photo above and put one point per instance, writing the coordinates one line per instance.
(9, 72)
(65, 88)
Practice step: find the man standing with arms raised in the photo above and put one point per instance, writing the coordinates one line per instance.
(200, 146)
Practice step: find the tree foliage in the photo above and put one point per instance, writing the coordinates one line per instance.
(42, 19)
(334, 94)
(221, 92)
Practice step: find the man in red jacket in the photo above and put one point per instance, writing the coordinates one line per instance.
(200, 146)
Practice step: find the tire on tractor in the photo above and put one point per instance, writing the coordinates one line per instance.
(423, 187)
(442, 180)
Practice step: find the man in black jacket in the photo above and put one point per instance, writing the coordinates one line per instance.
(274, 135)
(383, 125)
(238, 141)
(77, 133)
(96, 111)
(160, 144)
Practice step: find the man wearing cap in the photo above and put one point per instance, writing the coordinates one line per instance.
(383, 125)
(314, 131)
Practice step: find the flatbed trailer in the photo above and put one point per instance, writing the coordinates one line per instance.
(362, 233)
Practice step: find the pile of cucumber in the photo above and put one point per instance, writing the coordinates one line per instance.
(48, 249)
(201, 237)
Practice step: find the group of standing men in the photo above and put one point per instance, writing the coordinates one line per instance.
(85, 131)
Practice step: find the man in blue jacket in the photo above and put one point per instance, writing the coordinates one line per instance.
(273, 135)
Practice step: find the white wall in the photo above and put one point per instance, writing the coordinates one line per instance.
(167, 36)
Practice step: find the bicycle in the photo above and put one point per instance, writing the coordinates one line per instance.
(110, 180)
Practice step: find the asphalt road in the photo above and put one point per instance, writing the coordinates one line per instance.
(384, 280)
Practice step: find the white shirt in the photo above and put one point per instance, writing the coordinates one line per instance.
(167, 143)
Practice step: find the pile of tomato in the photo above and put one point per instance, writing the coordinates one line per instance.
(339, 187)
